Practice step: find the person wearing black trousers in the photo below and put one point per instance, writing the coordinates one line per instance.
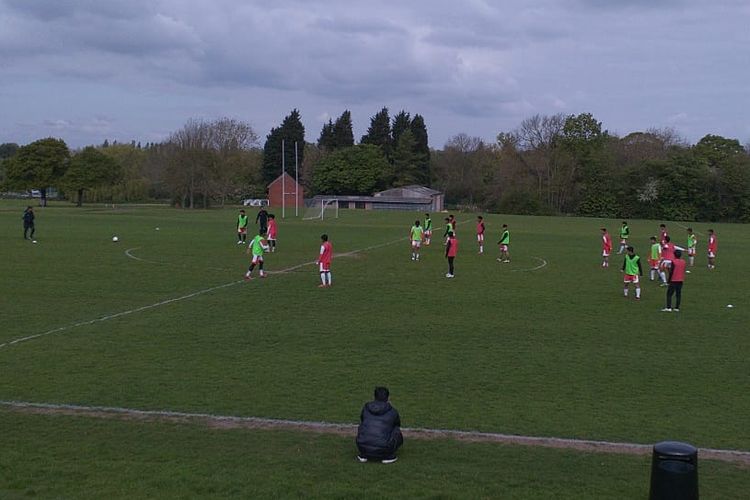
(28, 223)
(675, 280)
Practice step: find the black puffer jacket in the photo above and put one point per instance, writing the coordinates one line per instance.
(379, 432)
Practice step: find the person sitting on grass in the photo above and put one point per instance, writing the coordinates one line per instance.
(379, 431)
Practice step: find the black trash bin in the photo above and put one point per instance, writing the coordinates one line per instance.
(674, 471)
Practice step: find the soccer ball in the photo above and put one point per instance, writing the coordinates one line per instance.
(115, 239)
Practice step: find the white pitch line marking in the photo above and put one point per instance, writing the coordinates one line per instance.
(543, 263)
(735, 456)
(686, 227)
(175, 299)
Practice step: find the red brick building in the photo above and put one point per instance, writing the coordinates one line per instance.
(285, 189)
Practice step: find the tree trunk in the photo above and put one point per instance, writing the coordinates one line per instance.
(43, 197)
(80, 198)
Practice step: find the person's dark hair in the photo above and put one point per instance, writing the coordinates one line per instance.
(631, 249)
(324, 237)
(662, 225)
(271, 216)
(480, 217)
(603, 229)
(710, 230)
(653, 238)
(242, 211)
(29, 208)
(690, 230)
(505, 225)
(667, 239)
(381, 394)
(678, 253)
(624, 222)
(426, 215)
(447, 219)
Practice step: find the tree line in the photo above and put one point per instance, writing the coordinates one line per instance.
(549, 164)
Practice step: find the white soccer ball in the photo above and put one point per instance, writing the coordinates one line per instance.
(34, 241)
(115, 239)
(157, 228)
(730, 306)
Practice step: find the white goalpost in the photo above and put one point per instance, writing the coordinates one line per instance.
(326, 208)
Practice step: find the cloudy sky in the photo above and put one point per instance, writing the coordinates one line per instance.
(86, 70)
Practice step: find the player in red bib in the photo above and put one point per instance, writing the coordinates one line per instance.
(711, 250)
(663, 234)
(606, 247)
(451, 250)
(272, 232)
(324, 261)
(480, 233)
(667, 254)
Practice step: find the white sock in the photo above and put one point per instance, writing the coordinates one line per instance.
(625, 291)
(329, 277)
(481, 248)
(663, 276)
(323, 278)
(637, 293)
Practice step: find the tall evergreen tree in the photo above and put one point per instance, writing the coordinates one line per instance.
(326, 140)
(401, 123)
(290, 131)
(405, 161)
(379, 132)
(421, 149)
(343, 136)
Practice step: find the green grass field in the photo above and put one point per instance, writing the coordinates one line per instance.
(555, 351)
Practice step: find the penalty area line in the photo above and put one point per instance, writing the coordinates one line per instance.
(347, 429)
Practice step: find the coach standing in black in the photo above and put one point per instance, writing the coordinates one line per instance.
(28, 223)
(262, 219)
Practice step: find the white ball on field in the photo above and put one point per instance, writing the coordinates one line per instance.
(157, 228)
(33, 241)
(115, 239)
(730, 305)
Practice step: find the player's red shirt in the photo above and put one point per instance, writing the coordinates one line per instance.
(272, 229)
(663, 235)
(667, 251)
(678, 270)
(452, 249)
(480, 228)
(606, 242)
(712, 245)
(326, 253)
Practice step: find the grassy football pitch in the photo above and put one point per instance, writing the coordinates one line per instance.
(543, 346)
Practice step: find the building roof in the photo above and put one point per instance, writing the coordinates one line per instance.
(289, 178)
(376, 199)
(413, 191)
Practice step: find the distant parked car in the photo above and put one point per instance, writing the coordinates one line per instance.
(255, 202)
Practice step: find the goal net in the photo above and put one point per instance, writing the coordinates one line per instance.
(324, 208)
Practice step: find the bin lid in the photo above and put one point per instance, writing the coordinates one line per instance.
(675, 449)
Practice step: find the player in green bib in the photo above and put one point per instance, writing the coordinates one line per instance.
(504, 244)
(624, 235)
(427, 229)
(416, 235)
(631, 266)
(654, 259)
(256, 248)
(448, 227)
(241, 228)
(692, 242)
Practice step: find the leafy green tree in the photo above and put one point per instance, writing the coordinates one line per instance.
(358, 170)
(38, 165)
(89, 169)
(379, 132)
(7, 150)
(290, 131)
(717, 150)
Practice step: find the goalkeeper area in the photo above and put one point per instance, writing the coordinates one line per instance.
(160, 329)
(320, 208)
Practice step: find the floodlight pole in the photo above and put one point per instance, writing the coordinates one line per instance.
(283, 184)
(296, 181)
